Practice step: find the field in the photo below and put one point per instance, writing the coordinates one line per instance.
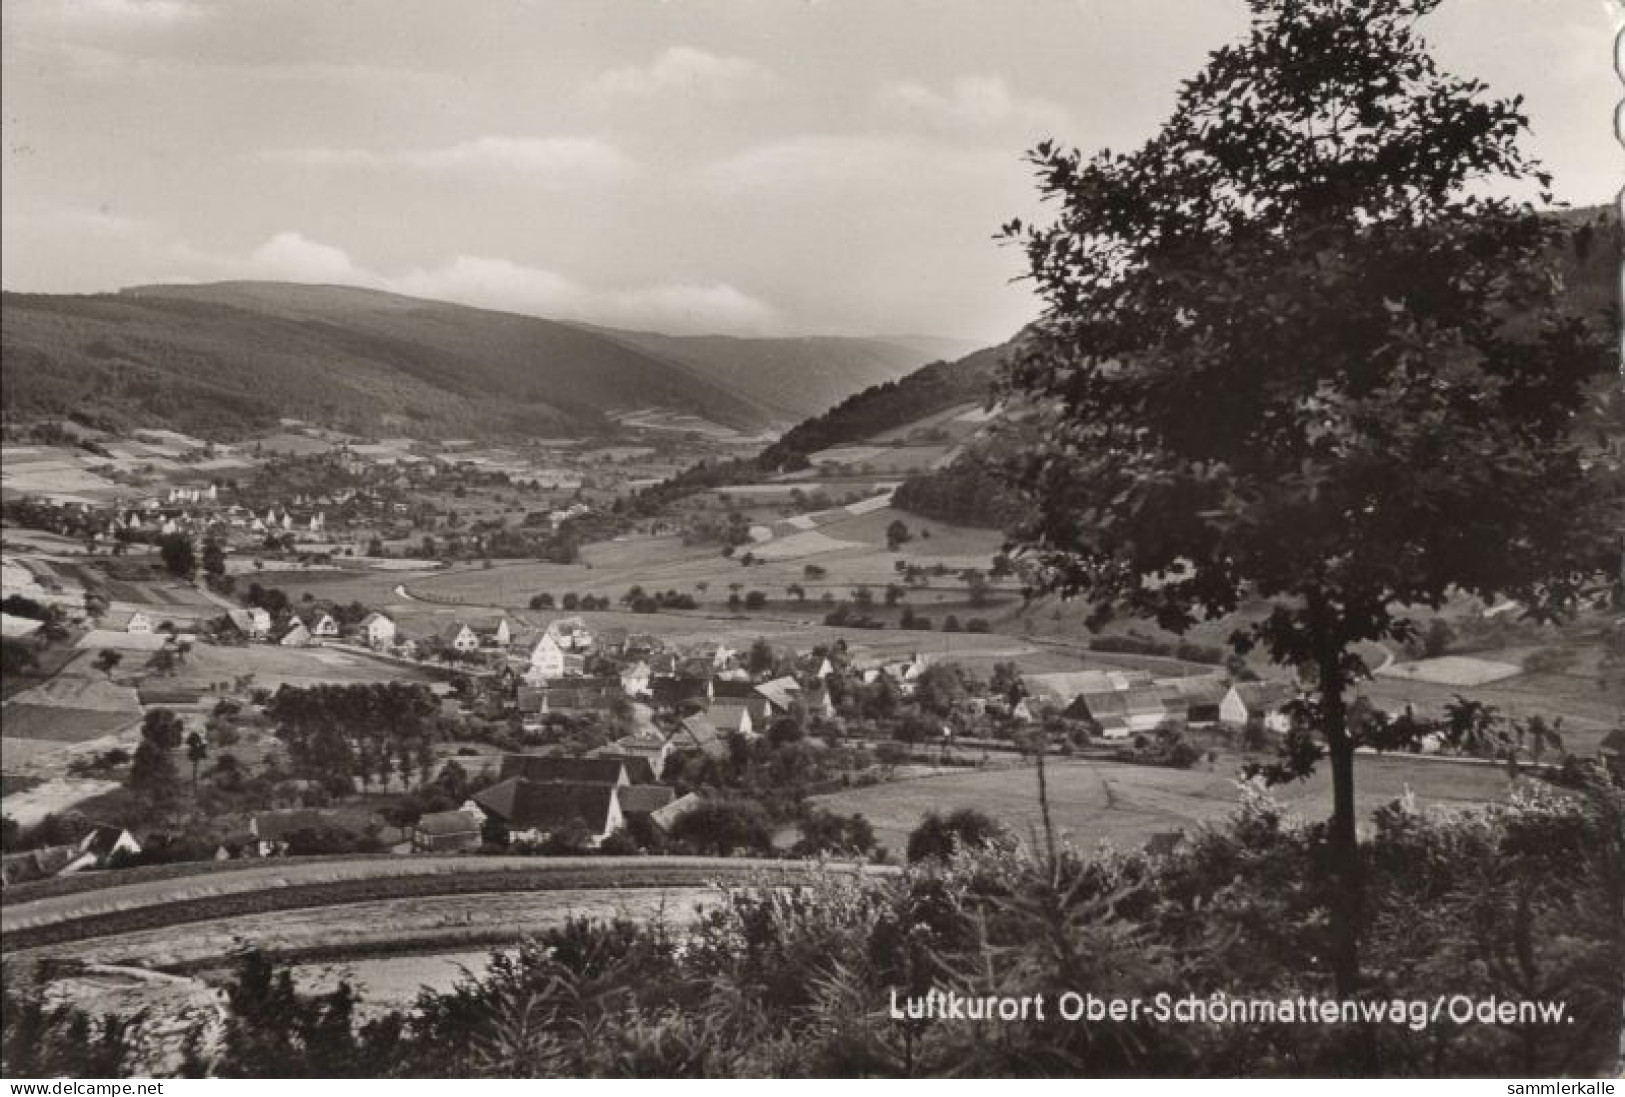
(60, 724)
(1127, 804)
(273, 666)
(1452, 670)
(31, 804)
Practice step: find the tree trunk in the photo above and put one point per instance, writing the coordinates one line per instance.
(1344, 840)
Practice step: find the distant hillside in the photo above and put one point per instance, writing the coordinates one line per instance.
(796, 378)
(890, 406)
(226, 359)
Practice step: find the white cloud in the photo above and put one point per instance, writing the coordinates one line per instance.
(975, 105)
(291, 257)
(562, 159)
(513, 287)
(684, 70)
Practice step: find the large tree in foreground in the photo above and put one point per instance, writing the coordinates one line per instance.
(1306, 346)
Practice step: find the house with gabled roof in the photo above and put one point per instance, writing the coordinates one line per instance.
(644, 800)
(1261, 701)
(635, 679)
(652, 749)
(698, 733)
(1121, 713)
(458, 637)
(254, 623)
(297, 636)
(495, 633)
(554, 768)
(378, 630)
(1198, 697)
(780, 693)
(732, 717)
(324, 627)
(533, 811)
(546, 657)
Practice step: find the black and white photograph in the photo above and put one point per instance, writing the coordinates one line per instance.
(808, 539)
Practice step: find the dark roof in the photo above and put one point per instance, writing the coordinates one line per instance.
(1265, 696)
(699, 733)
(101, 840)
(672, 692)
(536, 767)
(536, 805)
(644, 799)
(583, 694)
(639, 770)
(439, 824)
(736, 691)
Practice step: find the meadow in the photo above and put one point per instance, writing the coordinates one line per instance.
(1091, 801)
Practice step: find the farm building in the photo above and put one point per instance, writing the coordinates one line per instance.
(534, 810)
(1199, 697)
(544, 768)
(323, 627)
(297, 636)
(1264, 701)
(1122, 713)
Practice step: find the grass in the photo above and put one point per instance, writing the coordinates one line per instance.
(61, 724)
(1128, 804)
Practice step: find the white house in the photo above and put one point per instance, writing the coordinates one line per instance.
(635, 679)
(460, 638)
(138, 622)
(325, 627)
(253, 623)
(547, 658)
(378, 630)
(1265, 701)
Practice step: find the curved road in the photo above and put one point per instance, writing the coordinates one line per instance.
(21, 912)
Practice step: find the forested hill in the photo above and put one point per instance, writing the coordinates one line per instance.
(895, 404)
(227, 359)
(795, 377)
(224, 360)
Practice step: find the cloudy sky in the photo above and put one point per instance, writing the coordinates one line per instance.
(765, 166)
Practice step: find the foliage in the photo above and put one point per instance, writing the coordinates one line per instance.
(940, 837)
(1288, 353)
